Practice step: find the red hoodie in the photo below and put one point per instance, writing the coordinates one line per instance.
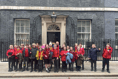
(51, 49)
(15, 49)
(77, 53)
(74, 55)
(107, 54)
(10, 50)
(75, 48)
(82, 51)
(46, 53)
(63, 56)
(55, 52)
(16, 52)
(26, 52)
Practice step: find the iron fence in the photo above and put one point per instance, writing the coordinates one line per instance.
(87, 43)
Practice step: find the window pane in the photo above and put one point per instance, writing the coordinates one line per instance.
(83, 29)
(83, 36)
(116, 23)
(27, 29)
(22, 26)
(87, 36)
(17, 29)
(17, 23)
(79, 36)
(116, 36)
(87, 29)
(22, 29)
(27, 23)
(79, 29)
(87, 23)
(17, 36)
(116, 29)
(79, 24)
(83, 23)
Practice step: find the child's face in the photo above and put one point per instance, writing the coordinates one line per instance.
(76, 45)
(33, 46)
(93, 46)
(67, 47)
(80, 45)
(15, 46)
(11, 47)
(108, 45)
(27, 46)
(64, 48)
(46, 46)
(71, 48)
(18, 48)
(55, 46)
(63, 45)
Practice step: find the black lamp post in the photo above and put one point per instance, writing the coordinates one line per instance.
(53, 17)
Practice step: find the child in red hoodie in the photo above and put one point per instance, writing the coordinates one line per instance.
(107, 56)
(73, 60)
(63, 59)
(46, 58)
(76, 57)
(26, 52)
(16, 56)
(10, 53)
(56, 58)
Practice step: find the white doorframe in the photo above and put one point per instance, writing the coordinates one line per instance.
(60, 21)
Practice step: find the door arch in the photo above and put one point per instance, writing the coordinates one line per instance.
(53, 33)
(60, 22)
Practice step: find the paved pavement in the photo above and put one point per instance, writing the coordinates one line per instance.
(65, 78)
(84, 73)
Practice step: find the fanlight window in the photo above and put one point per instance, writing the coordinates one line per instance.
(53, 27)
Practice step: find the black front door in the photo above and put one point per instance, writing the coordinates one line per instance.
(53, 37)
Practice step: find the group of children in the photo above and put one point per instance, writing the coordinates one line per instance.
(38, 56)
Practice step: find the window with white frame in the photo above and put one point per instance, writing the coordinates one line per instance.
(83, 31)
(116, 32)
(22, 31)
(116, 29)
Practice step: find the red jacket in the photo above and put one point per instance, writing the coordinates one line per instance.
(15, 49)
(16, 52)
(10, 50)
(75, 49)
(77, 53)
(55, 52)
(22, 49)
(58, 47)
(40, 53)
(82, 51)
(107, 54)
(26, 52)
(63, 56)
(46, 53)
(51, 49)
(74, 55)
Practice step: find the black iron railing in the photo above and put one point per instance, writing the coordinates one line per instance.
(101, 43)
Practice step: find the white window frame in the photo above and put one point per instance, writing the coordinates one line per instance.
(84, 32)
(116, 46)
(15, 33)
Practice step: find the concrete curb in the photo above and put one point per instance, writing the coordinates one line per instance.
(58, 75)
